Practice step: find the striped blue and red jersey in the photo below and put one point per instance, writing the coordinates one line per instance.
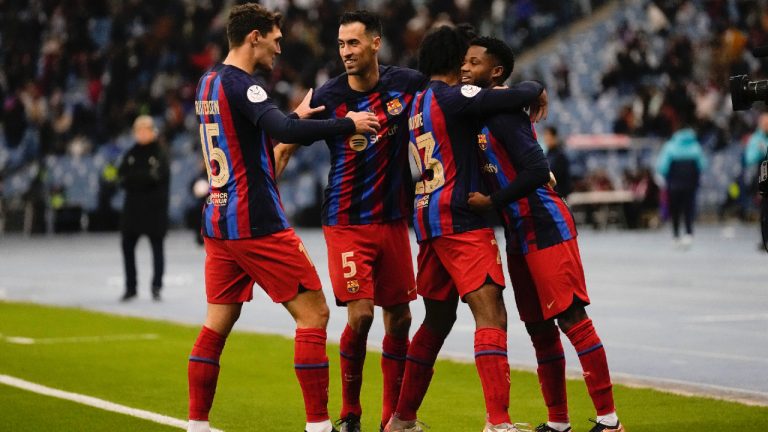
(369, 180)
(243, 201)
(443, 125)
(539, 219)
(237, 123)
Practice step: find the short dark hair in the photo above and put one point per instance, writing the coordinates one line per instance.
(369, 20)
(500, 51)
(248, 17)
(551, 129)
(442, 51)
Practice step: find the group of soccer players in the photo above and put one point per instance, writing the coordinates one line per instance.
(474, 149)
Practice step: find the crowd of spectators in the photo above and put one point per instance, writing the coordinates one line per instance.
(77, 72)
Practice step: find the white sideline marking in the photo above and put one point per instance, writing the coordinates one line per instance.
(78, 339)
(95, 402)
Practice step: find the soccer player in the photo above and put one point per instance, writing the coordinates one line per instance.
(458, 254)
(367, 200)
(247, 237)
(543, 256)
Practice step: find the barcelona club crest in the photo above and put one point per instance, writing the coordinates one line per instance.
(394, 107)
(353, 286)
(482, 141)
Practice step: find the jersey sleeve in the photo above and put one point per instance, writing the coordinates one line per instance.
(249, 98)
(478, 102)
(516, 133)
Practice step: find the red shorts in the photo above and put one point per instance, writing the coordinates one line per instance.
(277, 262)
(371, 262)
(457, 264)
(546, 281)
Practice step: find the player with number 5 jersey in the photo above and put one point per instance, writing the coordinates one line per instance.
(365, 210)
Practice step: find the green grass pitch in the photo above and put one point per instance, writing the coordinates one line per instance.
(257, 387)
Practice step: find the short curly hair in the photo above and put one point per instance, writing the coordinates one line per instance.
(442, 51)
(500, 51)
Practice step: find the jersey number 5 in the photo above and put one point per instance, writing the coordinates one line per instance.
(427, 142)
(219, 174)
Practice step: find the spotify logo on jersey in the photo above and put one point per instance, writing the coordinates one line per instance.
(358, 142)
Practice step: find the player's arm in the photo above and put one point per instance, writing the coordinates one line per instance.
(526, 154)
(484, 102)
(286, 129)
(284, 151)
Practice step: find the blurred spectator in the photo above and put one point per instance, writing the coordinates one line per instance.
(145, 175)
(681, 163)
(558, 161)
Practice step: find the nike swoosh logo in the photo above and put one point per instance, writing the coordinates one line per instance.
(549, 305)
(411, 291)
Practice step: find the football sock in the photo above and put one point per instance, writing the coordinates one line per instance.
(352, 353)
(323, 426)
(393, 351)
(594, 365)
(559, 426)
(610, 419)
(493, 368)
(551, 372)
(311, 366)
(198, 426)
(418, 371)
(203, 372)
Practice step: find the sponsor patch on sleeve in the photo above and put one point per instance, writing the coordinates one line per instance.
(470, 90)
(256, 94)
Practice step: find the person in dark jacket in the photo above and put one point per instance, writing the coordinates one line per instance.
(559, 164)
(681, 163)
(144, 173)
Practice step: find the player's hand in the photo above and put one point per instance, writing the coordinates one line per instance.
(540, 108)
(365, 122)
(304, 110)
(552, 180)
(283, 153)
(479, 202)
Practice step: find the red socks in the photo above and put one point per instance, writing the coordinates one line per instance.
(493, 368)
(551, 371)
(418, 371)
(311, 365)
(393, 353)
(594, 364)
(352, 352)
(203, 372)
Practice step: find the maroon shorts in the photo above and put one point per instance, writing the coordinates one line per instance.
(457, 264)
(277, 262)
(546, 281)
(371, 262)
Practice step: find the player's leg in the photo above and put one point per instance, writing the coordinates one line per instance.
(394, 347)
(203, 370)
(352, 253)
(158, 264)
(689, 211)
(352, 351)
(395, 289)
(311, 313)
(420, 360)
(487, 305)
(227, 286)
(577, 326)
(128, 243)
(550, 358)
